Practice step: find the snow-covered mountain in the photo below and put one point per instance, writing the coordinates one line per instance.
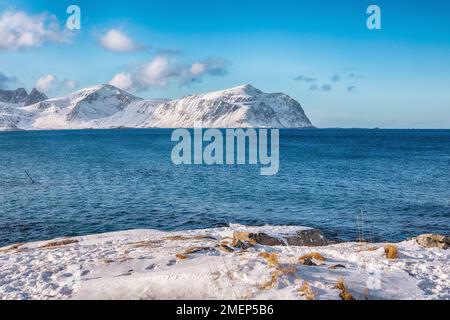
(11, 103)
(20, 96)
(105, 106)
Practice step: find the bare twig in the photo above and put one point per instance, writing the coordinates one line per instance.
(31, 179)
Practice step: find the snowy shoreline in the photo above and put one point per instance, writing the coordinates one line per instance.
(208, 264)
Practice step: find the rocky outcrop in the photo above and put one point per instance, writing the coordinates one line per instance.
(308, 238)
(13, 96)
(35, 96)
(20, 96)
(433, 241)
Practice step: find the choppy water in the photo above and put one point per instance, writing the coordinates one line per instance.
(107, 180)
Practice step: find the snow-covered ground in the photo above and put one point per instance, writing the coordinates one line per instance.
(149, 264)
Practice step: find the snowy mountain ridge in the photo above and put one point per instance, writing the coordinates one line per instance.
(106, 106)
(20, 96)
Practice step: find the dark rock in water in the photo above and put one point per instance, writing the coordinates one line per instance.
(308, 238)
(433, 241)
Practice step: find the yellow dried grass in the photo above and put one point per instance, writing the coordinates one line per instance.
(344, 295)
(391, 251)
(271, 258)
(306, 291)
(58, 243)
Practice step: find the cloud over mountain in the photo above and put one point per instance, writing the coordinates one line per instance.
(164, 69)
(49, 83)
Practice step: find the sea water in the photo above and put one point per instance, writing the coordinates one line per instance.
(381, 184)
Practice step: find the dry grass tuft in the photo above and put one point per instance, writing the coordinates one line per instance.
(312, 255)
(59, 243)
(181, 256)
(307, 259)
(243, 236)
(345, 295)
(271, 258)
(306, 291)
(280, 270)
(108, 261)
(373, 248)
(391, 251)
(145, 243)
(191, 250)
(288, 270)
(271, 283)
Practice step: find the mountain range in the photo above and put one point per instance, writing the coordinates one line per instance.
(105, 106)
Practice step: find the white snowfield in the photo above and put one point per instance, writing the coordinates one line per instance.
(149, 264)
(105, 106)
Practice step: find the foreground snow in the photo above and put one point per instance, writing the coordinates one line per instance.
(149, 264)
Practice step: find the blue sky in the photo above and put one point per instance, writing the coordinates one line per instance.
(347, 75)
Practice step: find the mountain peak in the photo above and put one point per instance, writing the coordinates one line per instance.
(106, 89)
(245, 89)
(98, 102)
(242, 90)
(20, 95)
(35, 96)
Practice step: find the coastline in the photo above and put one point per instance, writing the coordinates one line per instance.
(214, 264)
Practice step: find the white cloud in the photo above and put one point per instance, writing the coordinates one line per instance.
(116, 41)
(197, 68)
(212, 67)
(45, 83)
(122, 80)
(157, 72)
(50, 84)
(19, 30)
(164, 69)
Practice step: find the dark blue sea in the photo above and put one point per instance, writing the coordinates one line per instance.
(106, 180)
